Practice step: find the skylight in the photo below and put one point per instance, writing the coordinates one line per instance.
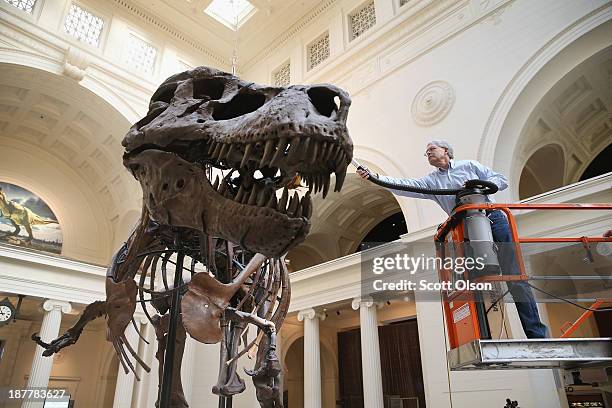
(230, 12)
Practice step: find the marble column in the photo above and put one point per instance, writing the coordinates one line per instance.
(49, 330)
(139, 397)
(370, 352)
(149, 395)
(188, 367)
(124, 388)
(312, 357)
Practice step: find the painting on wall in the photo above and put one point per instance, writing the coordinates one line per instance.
(26, 220)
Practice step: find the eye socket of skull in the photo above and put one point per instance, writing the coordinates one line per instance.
(241, 104)
(208, 88)
(164, 93)
(324, 100)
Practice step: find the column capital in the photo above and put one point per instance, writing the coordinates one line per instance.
(363, 301)
(141, 318)
(310, 314)
(51, 304)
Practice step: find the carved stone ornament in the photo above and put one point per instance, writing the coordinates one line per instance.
(75, 63)
(432, 103)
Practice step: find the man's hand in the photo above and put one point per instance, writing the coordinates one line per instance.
(364, 172)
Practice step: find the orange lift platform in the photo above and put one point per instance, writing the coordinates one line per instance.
(467, 313)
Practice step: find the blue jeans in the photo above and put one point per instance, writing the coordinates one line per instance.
(520, 291)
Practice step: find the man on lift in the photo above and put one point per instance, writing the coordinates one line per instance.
(451, 174)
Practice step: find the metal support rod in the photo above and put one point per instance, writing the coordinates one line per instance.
(166, 387)
(226, 277)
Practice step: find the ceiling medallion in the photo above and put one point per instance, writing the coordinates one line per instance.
(432, 103)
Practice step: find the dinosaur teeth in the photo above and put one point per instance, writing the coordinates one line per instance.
(217, 150)
(315, 151)
(325, 184)
(224, 150)
(306, 146)
(216, 184)
(338, 154)
(247, 154)
(261, 197)
(293, 205)
(280, 152)
(253, 196)
(231, 150)
(340, 176)
(239, 195)
(306, 205)
(222, 187)
(267, 153)
(325, 150)
(319, 183)
(331, 153)
(294, 150)
(307, 180)
(344, 158)
(272, 201)
(282, 204)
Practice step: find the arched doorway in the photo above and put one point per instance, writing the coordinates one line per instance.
(293, 381)
(294, 377)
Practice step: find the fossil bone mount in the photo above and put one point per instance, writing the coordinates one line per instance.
(260, 142)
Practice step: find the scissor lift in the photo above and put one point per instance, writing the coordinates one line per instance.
(471, 345)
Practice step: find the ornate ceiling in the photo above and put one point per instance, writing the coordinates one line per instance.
(271, 22)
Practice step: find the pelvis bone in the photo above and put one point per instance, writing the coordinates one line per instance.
(207, 298)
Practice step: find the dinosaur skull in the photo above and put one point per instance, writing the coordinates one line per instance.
(260, 138)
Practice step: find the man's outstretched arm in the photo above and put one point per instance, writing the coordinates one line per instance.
(485, 173)
(423, 182)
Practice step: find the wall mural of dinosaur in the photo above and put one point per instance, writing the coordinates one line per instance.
(26, 220)
(226, 236)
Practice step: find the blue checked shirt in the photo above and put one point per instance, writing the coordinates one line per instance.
(458, 173)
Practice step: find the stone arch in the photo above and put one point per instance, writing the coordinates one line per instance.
(293, 354)
(543, 171)
(49, 64)
(575, 44)
(294, 377)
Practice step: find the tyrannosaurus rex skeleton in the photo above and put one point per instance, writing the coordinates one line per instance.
(235, 228)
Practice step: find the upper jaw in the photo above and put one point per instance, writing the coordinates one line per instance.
(273, 159)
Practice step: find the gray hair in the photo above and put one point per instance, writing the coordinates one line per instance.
(444, 144)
